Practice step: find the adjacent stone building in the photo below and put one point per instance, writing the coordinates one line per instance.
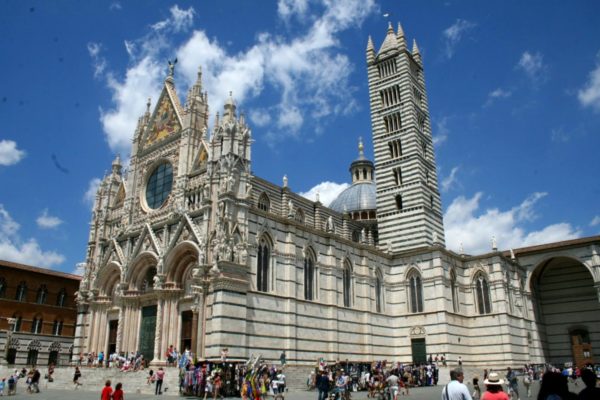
(190, 249)
(37, 314)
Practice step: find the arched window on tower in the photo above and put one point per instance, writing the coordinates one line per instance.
(309, 275)
(42, 294)
(18, 321)
(263, 258)
(482, 292)
(2, 287)
(378, 291)
(399, 201)
(21, 294)
(36, 324)
(57, 328)
(347, 284)
(61, 297)
(415, 289)
(264, 203)
(454, 290)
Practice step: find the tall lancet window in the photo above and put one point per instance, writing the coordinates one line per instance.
(416, 292)
(263, 259)
(347, 283)
(482, 291)
(309, 275)
(378, 291)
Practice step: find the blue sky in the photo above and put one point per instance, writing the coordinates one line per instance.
(513, 89)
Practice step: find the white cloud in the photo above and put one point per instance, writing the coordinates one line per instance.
(180, 20)
(12, 248)
(533, 66)
(498, 93)
(46, 221)
(589, 95)
(260, 117)
(9, 154)
(98, 62)
(442, 131)
(79, 268)
(328, 191)
(465, 223)
(90, 194)
(307, 72)
(454, 34)
(287, 8)
(595, 221)
(115, 5)
(450, 181)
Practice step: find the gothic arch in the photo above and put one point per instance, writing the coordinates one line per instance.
(563, 290)
(412, 269)
(139, 267)
(264, 263)
(414, 282)
(541, 265)
(183, 257)
(347, 283)
(108, 278)
(379, 291)
(264, 203)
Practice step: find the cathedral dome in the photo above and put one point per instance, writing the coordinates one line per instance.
(360, 196)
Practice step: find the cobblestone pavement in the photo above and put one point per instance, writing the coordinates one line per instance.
(424, 393)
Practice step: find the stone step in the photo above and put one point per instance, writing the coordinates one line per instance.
(93, 379)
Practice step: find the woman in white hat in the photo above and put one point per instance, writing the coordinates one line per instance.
(493, 385)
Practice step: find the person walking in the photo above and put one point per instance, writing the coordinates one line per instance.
(527, 381)
(160, 375)
(513, 383)
(107, 390)
(476, 388)
(118, 393)
(35, 380)
(493, 385)
(76, 377)
(322, 385)
(456, 389)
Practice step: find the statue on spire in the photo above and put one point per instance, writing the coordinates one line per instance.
(172, 66)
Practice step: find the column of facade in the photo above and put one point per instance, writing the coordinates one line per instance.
(120, 327)
(79, 340)
(158, 331)
(92, 326)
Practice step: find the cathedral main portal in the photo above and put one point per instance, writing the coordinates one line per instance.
(147, 332)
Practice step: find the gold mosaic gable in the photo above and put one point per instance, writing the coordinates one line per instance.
(165, 121)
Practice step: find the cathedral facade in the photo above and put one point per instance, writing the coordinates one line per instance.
(190, 249)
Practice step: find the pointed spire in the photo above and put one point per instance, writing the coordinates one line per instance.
(148, 104)
(229, 107)
(400, 37)
(415, 51)
(116, 165)
(370, 50)
(390, 43)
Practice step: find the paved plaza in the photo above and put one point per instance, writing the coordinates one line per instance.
(423, 393)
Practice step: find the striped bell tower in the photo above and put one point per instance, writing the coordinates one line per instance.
(409, 210)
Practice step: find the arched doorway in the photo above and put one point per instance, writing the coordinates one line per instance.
(567, 311)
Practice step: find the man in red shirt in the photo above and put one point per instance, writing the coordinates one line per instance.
(106, 391)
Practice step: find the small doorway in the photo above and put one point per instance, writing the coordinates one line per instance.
(113, 326)
(11, 357)
(419, 351)
(581, 346)
(187, 318)
(32, 357)
(53, 358)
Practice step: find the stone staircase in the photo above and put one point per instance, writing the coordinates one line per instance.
(93, 379)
